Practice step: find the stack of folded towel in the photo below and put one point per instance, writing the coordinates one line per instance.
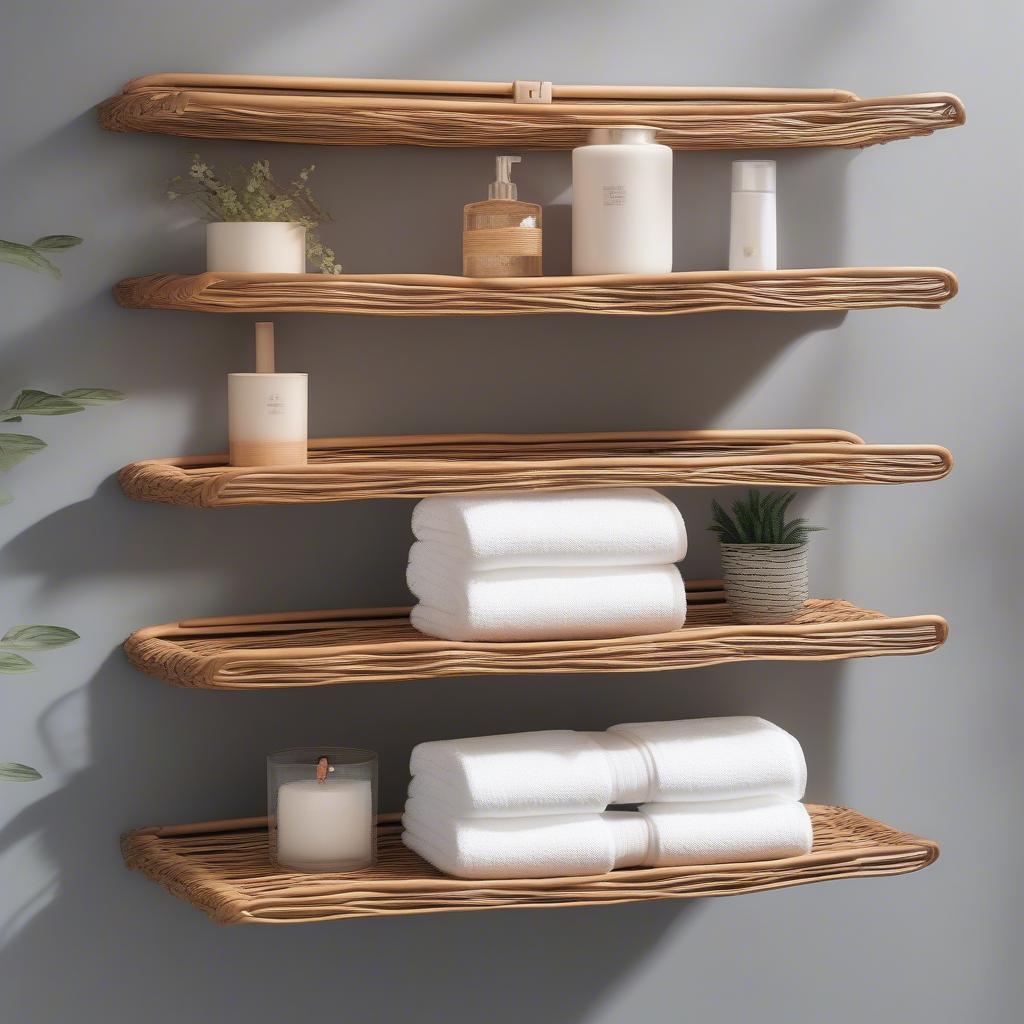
(565, 565)
(710, 791)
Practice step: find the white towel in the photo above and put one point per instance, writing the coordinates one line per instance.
(565, 772)
(549, 604)
(528, 773)
(600, 526)
(727, 831)
(719, 758)
(661, 835)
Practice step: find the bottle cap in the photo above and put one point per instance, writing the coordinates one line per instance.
(753, 175)
(504, 187)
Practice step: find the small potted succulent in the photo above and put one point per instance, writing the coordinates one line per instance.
(764, 557)
(255, 225)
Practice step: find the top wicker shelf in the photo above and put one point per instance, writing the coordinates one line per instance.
(529, 115)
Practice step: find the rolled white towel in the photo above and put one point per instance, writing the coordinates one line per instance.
(565, 772)
(598, 526)
(719, 758)
(549, 604)
(660, 835)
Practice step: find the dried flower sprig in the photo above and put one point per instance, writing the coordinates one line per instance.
(252, 194)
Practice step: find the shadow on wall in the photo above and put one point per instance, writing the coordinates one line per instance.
(158, 754)
(116, 936)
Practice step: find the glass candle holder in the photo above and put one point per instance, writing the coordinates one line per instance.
(322, 808)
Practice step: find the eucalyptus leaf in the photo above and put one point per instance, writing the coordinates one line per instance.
(93, 396)
(16, 447)
(15, 664)
(57, 242)
(37, 638)
(42, 403)
(25, 256)
(11, 771)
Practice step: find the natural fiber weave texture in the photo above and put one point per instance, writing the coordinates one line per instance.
(222, 867)
(379, 645)
(769, 291)
(368, 112)
(765, 582)
(351, 468)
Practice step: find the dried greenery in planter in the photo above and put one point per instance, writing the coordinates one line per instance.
(760, 520)
(31, 256)
(252, 194)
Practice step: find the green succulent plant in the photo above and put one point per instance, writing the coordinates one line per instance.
(252, 194)
(758, 519)
(31, 256)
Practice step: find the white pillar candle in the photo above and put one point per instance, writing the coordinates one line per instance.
(325, 825)
(267, 419)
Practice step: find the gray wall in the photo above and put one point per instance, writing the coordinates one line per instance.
(930, 744)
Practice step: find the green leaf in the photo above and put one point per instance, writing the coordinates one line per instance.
(56, 242)
(16, 447)
(5, 499)
(25, 256)
(11, 771)
(37, 638)
(93, 396)
(41, 403)
(15, 664)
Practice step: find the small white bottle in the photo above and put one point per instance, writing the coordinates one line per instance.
(622, 203)
(267, 411)
(752, 231)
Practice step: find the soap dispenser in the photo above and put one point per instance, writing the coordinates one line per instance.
(501, 237)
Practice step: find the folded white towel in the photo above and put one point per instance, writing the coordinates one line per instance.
(592, 844)
(549, 604)
(719, 758)
(528, 773)
(600, 526)
(727, 831)
(564, 772)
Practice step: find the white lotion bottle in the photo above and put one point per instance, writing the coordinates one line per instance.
(267, 414)
(622, 203)
(752, 229)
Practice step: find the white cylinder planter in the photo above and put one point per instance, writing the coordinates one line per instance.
(253, 247)
(765, 583)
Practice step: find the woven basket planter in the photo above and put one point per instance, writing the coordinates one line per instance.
(765, 583)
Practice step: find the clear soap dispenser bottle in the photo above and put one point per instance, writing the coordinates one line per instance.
(501, 237)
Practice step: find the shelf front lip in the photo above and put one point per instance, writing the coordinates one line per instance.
(816, 458)
(893, 852)
(152, 649)
(701, 291)
(346, 112)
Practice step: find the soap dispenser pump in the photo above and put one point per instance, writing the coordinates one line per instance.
(501, 237)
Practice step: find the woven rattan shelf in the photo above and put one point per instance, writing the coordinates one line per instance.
(533, 115)
(222, 867)
(350, 468)
(775, 291)
(376, 645)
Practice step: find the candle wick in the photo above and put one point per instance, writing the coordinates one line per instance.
(322, 768)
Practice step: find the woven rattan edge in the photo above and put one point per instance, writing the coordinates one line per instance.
(872, 849)
(429, 295)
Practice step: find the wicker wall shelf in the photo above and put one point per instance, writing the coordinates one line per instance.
(222, 867)
(533, 115)
(376, 645)
(350, 468)
(775, 291)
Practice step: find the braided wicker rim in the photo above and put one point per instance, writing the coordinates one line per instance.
(369, 112)
(357, 468)
(714, 291)
(371, 645)
(222, 867)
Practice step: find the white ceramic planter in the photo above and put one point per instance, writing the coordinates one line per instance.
(765, 583)
(251, 247)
